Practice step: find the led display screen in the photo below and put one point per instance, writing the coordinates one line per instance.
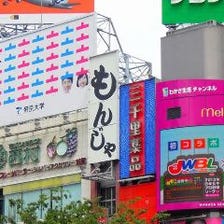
(190, 144)
(191, 167)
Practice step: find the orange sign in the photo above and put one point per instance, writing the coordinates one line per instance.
(199, 143)
(185, 144)
(46, 6)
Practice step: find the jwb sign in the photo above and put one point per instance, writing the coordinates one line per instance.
(192, 11)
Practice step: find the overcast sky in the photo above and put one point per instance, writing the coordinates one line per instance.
(138, 26)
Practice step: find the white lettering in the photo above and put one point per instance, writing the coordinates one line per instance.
(175, 1)
(196, 1)
(193, 1)
(135, 167)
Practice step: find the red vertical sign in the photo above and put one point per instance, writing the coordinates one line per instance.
(137, 129)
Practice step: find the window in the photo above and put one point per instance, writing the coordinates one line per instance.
(173, 113)
(108, 199)
(1, 202)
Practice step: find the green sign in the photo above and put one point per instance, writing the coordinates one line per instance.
(213, 142)
(192, 11)
(24, 152)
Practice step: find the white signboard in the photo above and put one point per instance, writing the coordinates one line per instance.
(42, 155)
(46, 72)
(103, 108)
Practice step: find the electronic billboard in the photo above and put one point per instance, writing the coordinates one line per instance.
(190, 141)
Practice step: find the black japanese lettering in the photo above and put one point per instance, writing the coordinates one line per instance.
(109, 147)
(101, 117)
(98, 84)
(92, 141)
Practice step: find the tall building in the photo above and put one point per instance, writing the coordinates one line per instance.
(189, 113)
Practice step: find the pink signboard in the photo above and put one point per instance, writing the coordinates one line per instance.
(199, 102)
(190, 129)
(199, 221)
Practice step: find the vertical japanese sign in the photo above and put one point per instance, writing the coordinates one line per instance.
(137, 128)
(103, 108)
(43, 72)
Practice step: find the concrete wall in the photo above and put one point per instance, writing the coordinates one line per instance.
(193, 52)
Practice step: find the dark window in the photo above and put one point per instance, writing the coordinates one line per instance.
(108, 199)
(173, 113)
(1, 202)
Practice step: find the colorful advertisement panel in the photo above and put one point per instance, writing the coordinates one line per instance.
(189, 137)
(103, 108)
(191, 168)
(46, 6)
(137, 128)
(41, 12)
(191, 11)
(42, 73)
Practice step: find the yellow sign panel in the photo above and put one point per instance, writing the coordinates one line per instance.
(42, 184)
